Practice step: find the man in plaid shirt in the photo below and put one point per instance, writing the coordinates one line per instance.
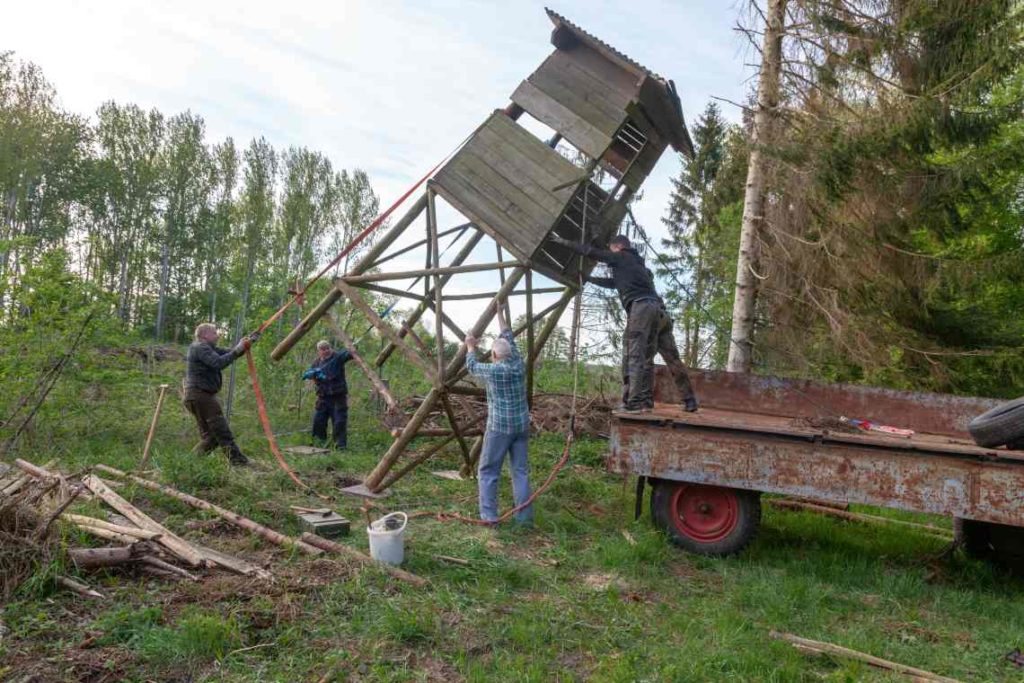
(508, 421)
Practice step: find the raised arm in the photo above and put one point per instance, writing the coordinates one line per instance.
(601, 281)
(602, 255)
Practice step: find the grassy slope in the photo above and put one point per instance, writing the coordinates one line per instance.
(570, 600)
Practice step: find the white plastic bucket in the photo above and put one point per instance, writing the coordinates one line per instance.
(388, 544)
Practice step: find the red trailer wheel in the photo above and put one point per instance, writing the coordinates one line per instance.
(709, 520)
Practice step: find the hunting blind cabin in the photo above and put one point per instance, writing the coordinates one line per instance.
(617, 118)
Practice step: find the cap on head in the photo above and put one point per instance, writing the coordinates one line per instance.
(619, 241)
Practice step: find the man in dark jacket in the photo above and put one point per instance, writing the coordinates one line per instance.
(643, 305)
(203, 380)
(328, 372)
(666, 347)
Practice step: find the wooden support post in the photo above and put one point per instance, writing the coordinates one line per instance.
(474, 457)
(501, 277)
(382, 327)
(463, 254)
(438, 300)
(391, 291)
(374, 479)
(427, 272)
(529, 337)
(456, 429)
(549, 325)
(415, 245)
(490, 295)
(415, 462)
(374, 378)
(364, 263)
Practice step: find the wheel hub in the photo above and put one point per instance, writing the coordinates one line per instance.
(704, 513)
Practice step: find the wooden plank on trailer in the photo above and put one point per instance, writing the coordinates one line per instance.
(574, 128)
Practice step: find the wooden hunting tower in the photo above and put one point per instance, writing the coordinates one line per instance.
(520, 190)
(613, 118)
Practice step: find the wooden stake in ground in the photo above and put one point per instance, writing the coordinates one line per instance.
(152, 426)
(233, 517)
(821, 648)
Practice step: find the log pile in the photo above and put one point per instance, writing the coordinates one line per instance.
(32, 498)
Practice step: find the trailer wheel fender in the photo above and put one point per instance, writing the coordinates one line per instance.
(707, 520)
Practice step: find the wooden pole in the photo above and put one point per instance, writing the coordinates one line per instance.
(819, 647)
(857, 517)
(382, 327)
(415, 245)
(463, 254)
(365, 560)
(233, 517)
(152, 426)
(415, 462)
(134, 532)
(427, 272)
(456, 430)
(374, 378)
(529, 337)
(501, 278)
(435, 251)
(169, 540)
(365, 263)
(552, 321)
(490, 295)
(474, 456)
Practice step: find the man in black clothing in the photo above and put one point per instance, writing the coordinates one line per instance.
(666, 346)
(328, 371)
(203, 380)
(643, 305)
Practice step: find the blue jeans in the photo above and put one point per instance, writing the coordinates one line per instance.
(496, 445)
(333, 408)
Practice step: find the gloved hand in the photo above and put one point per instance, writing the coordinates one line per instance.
(241, 347)
(254, 337)
(560, 240)
(314, 374)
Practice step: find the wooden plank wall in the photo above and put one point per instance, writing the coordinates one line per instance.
(502, 179)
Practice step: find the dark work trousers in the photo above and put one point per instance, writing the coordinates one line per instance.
(669, 352)
(335, 409)
(641, 340)
(213, 426)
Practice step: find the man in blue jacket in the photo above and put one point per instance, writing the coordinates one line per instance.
(328, 372)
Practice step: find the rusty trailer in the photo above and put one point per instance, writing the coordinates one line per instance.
(758, 435)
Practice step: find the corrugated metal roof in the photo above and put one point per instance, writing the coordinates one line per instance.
(557, 19)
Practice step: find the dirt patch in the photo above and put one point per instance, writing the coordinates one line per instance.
(579, 665)
(343, 481)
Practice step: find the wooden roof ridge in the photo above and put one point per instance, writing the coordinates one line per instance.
(587, 37)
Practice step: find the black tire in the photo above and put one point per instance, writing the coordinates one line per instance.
(1001, 425)
(721, 521)
(1000, 544)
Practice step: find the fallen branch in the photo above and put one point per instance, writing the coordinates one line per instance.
(818, 647)
(453, 560)
(234, 564)
(78, 587)
(176, 545)
(108, 535)
(96, 558)
(857, 517)
(233, 517)
(362, 559)
(167, 567)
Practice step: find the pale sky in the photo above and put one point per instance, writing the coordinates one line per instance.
(387, 86)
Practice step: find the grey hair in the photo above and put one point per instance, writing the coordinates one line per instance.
(204, 327)
(323, 344)
(501, 348)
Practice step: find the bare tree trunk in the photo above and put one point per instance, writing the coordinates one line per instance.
(741, 345)
(165, 271)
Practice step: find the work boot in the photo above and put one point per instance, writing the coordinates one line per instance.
(635, 410)
(690, 405)
(236, 458)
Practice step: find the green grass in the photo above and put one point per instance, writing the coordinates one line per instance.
(569, 600)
